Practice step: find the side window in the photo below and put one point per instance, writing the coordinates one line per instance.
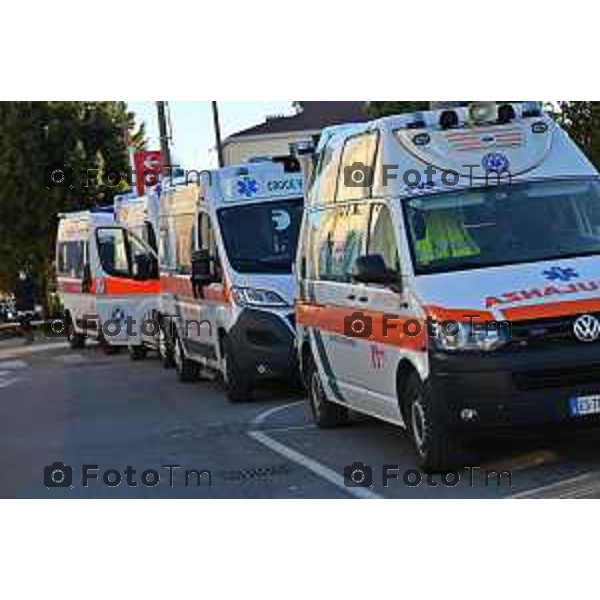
(70, 259)
(205, 233)
(327, 174)
(338, 237)
(165, 249)
(112, 250)
(382, 237)
(206, 241)
(139, 251)
(355, 178)
(182, 229)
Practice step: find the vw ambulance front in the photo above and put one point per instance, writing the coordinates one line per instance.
(506, 266)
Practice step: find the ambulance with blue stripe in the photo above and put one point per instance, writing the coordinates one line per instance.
(448, 275)
(226, 254)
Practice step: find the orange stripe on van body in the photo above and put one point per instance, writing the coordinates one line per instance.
(182, 287)
(119, 286)
(552, 309)
(441, 314)
(332, 318)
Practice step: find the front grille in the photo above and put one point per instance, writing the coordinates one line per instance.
(544, 333)
(554, 378)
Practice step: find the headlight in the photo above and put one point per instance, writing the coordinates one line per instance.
(254, 297)
(479, 338)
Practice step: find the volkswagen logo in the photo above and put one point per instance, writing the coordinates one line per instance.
(586, 328)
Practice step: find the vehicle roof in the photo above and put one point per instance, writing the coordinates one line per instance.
(531, 146)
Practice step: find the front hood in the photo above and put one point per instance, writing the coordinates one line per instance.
(282, 284)
(515, 292)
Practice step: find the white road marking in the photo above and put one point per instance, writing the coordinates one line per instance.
(7, 382)
(579, 486)
(13, 364)
(308, 463)
(33, 349)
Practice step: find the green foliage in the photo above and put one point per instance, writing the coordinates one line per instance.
(379, 108)
(581, 120)
(35, 135)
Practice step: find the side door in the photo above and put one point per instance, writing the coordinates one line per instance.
(396, 331)
(339, 234)
(127, 282)
(210, 299)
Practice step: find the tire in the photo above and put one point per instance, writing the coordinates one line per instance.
(105, 346)
(76, 340)
(186, 369)
(238, 387)
(435, 446)
(326, 414)
(165, 345)
(137, 352)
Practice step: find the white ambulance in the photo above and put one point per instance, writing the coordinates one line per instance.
(102, 270)
(449, 275)
(226, 253)
(140, 215)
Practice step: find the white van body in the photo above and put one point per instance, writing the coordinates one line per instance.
(226, 253)
(140, 215)
(99, 280)
(502, 230)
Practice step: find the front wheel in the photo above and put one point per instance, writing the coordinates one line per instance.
(237, 385)
(436, 448)
(326, 414)
(187, 370)
(76, 340)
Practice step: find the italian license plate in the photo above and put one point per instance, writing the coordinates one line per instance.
(581, 406)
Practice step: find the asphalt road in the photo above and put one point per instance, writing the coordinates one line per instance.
(84, 408)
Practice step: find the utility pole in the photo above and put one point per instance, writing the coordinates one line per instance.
(215, 111)
(164, 136)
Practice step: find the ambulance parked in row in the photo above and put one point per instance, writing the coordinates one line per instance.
(226, 253)
(449, 275)
(140, 215)
(103, 270)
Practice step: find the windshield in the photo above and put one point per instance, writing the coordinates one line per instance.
(262, 238)
(504, 225)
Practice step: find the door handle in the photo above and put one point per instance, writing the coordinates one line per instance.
(351, 297)
(363, 299)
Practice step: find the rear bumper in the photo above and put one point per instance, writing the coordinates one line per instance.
(516, 388)
(263, 343)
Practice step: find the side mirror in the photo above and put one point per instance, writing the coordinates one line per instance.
(142, 267)
(201, 272)
(371, 268)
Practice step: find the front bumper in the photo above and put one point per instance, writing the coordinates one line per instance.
(263, 343)
(517, 388)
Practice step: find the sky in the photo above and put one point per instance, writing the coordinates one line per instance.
(193, 143)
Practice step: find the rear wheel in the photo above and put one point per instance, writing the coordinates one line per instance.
(187, 370)
(165, 345)
(326, 414)
(76, 340)
(436, 448)
(238, 386)
(137, 352)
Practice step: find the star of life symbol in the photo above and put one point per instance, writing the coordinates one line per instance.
(561, 274)
(118, 314)
(247, 187)
(496, 162)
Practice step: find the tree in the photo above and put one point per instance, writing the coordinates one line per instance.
(581, 120)
(34, 137)
(379, 108)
